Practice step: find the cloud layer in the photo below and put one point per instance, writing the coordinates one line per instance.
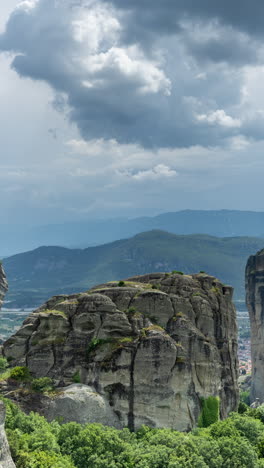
(154, 108)
(118, 83)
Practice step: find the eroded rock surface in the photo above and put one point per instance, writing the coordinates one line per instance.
(255, 304)
(3, 285)
(5, 456)
(147, 349)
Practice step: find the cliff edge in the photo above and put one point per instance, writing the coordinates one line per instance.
(139, 351)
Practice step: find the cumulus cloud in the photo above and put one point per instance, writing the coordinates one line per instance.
(219, 117)
(116, 84)
(132, 65)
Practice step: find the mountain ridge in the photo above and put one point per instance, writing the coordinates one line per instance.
(74, 234)
(35, 275)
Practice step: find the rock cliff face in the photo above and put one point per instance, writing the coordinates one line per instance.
(3, 285)
(144, 351)
(5, 456)
(255, 304)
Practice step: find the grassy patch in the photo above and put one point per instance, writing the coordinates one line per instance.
(153, 327)
(215, 290)
(54, 312)
(5, 375)
(197, 294)
(126, 339)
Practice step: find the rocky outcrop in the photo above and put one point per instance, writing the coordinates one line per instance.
(3, 285)
(144, 350)
(255, 304)
(5, 456)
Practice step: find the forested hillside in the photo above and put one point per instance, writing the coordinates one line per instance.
(36, 275)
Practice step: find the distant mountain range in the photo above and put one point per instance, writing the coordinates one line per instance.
(224, 223)
(36, 275)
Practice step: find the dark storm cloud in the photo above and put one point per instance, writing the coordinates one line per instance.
(166, 15)
(227, 47)
(138, 90)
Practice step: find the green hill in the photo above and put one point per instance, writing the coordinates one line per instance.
(34, 276)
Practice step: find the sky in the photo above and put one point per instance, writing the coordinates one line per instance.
(126, 108)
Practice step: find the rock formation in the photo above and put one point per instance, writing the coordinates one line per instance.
(141, 351)
(5, 456)
(3, 285)
(255, 304)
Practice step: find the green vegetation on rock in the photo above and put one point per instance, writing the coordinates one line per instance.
(42, 384)
(54, 312)
(209, 412)
(21, 374)
(95, 343)
(3, 364)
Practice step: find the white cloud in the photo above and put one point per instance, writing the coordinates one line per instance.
(95, 25)
(27, 4)
(219, 117)
(132, 65)
(161, 171)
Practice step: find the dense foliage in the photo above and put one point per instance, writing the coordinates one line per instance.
(210, 411)
(237, 442)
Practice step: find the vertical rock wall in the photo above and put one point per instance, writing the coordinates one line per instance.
(5, 456)
(3, 285)
(255, 304)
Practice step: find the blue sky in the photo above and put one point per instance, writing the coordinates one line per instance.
(114, 111)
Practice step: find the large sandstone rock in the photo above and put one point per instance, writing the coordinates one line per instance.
(255, 304)
(148, 350)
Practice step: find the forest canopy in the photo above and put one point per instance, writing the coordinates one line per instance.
(35, 443)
